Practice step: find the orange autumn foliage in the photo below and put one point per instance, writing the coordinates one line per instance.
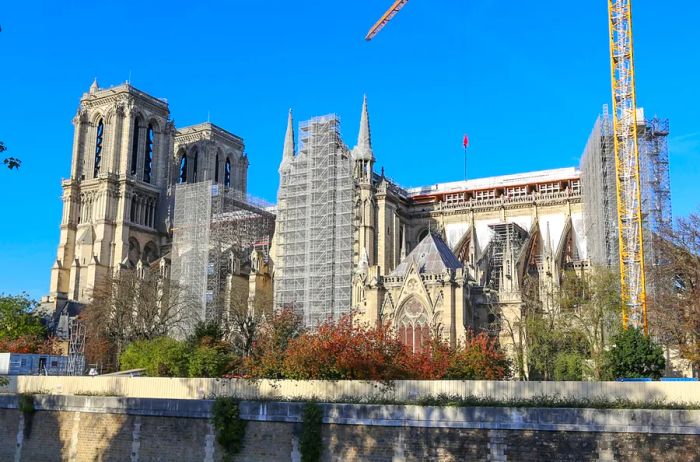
(344, 350)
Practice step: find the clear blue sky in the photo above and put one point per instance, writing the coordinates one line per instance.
(525, 80)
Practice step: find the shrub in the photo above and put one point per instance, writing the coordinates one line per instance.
(634, 355)
(478, 359)
(568, 366)
(161, 357)
(342, 350)
(209, 361)
(311, 445)
(229, 427)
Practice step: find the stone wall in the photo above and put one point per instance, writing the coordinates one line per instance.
(87, 428)
(399, 390)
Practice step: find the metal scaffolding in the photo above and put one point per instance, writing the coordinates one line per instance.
(313, 267)
(506, 242)
(76, 347)
(215, 232)
(656, 195)
(599, 196)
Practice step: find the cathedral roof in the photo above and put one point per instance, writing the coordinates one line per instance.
(431, 256)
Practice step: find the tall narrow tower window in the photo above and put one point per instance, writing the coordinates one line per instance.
(216, 168)
(98, 147)
(183, 169)
(135, 146)
(227, 173)
(148, 157)
(194, 166)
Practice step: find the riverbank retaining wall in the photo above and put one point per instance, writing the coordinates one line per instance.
(109, 428)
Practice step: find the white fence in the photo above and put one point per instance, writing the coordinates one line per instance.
(404, 390)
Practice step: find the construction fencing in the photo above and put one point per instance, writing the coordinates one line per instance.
(402, 390)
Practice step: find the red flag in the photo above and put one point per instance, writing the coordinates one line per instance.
(465, 142)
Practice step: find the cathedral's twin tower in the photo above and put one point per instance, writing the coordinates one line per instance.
(117, 203)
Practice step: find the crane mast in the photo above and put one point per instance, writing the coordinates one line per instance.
(628, 185)
(627, 176)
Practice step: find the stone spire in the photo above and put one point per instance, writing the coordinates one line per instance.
(288, 152)
(363, 150)
(95, 86)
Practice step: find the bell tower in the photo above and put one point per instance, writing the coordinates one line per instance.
(117, 201)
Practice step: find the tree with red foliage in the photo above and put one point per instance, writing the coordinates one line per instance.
(478, 359)
(270, 344)
(343, 350)
(29, 344)
(347, 350)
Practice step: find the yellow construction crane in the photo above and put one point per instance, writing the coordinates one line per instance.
(628, 185)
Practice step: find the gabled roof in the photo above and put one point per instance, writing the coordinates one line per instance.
(431, 256)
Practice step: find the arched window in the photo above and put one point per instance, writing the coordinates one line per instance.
(216, 168)
(183, 169)
(227, 173)
(148, 157)
(413, 327)
(135, 146)
(98, 146)
(195, 156)
(134, 252)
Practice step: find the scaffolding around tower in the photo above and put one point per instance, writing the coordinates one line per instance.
(600, 200)
(656, 196)
(314, 261)
(215, 232)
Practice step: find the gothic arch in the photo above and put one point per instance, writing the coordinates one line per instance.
(228, 171)
(95, 117)
(194, 161)
(134, 252)
(150, 252)
(110, 115)
(136, 143)
(217, 164)
(413, 323)
(155, 123)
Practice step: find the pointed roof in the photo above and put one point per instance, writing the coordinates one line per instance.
(288, 152)
(431, 256)
(94, 88)
(363, 150)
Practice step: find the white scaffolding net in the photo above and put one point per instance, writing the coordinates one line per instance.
(599, 195)
(215, 232)
(313, 268)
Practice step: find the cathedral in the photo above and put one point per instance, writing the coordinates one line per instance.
(445, 257)
(342, 238)
(118, 204)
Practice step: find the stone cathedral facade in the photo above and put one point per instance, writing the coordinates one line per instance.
(127, 158)
(448, 257)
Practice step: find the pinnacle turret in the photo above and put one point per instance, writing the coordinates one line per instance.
(94, 88)
(363, 150)
(288, 152)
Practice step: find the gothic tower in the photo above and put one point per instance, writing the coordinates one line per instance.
(365, 204)
(117, 201)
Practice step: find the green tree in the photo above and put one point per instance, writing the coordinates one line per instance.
(591, 306)
(634, 355)
(17, 318)
(10, 162)
(209, 361)
(568, 366)
(161, 357)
